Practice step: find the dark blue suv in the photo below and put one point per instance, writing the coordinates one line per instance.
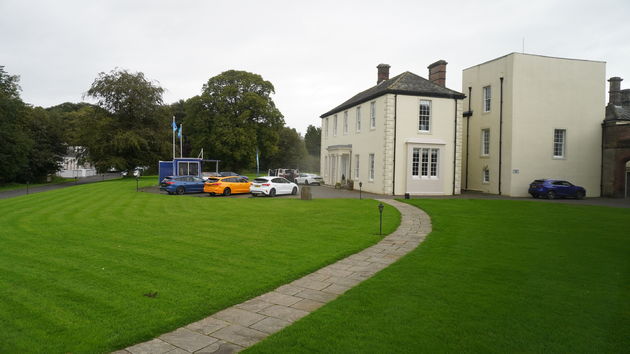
(553, 188)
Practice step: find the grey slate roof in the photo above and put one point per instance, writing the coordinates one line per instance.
(406, 83)
(617, 112)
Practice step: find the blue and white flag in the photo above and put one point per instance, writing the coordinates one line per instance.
(174, 125)
(179, 131)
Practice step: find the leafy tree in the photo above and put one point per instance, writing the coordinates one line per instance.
(14, 140)
(127, 128)
(47, 148)
(291, 150)
(313, 140)
(31, 141)
(233, 117)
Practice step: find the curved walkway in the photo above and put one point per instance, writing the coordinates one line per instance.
(245, 324)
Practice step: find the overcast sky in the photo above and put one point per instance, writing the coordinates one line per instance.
(317, 54)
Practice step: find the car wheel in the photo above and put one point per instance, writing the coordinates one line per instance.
(180, 190)
(227, 191)
(294, 191)
(551, 195)
(579, 195)
(272, 192)
(534, 195)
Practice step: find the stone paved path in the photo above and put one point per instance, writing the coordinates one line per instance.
(245, 324)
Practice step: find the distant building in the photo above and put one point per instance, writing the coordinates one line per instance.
(70, 167)
(403, 135)
(530, 117)
(616, 142)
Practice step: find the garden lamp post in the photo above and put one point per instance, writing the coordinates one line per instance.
(137, 180)
(380, 211)
(360, 185)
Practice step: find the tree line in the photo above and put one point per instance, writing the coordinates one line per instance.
(234, 119)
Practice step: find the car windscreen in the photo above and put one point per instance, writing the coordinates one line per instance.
(261, 180)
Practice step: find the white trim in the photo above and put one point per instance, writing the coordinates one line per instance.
(431, 141)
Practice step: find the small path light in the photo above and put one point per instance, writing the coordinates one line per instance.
(27, 183)
(380, 211)
(137, 180)
(360, 185)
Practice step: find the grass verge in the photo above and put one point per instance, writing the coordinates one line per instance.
(493, 276)
(75, 263)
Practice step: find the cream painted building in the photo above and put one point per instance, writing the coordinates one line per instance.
(531, 117)
(403, 135)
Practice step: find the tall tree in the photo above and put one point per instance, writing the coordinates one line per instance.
(14, 140)
(313, 140)
(291, 150)
(233, 118)
(45, 130)
(127, 129)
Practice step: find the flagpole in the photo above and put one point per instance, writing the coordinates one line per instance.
(173, 137)
(181, 145)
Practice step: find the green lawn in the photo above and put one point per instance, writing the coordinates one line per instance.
(55, 180)
(493, 276)
(75, 262)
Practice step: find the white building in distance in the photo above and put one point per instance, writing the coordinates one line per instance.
(403, 135)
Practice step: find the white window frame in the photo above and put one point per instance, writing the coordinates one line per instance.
(487, 99)
(425, 163)
(485, 142)
(373, 115)
(345, 123)
(356, 167)
(358, 116)
(371, 167)
(424, 115)
(335, 125)
(485, 175)
(559, 145)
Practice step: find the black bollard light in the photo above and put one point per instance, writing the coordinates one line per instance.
(27, 183)
(380, 211)
(137, 180)
(360, 185)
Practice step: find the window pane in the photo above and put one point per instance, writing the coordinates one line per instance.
(425, 163)
(558, 142)
(373, 114)
(425, 116)
(434, 162)
(415, 162)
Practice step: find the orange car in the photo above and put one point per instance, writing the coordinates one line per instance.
(226, 185)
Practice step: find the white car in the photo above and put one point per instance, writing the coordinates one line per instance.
(272, 186)
(309, 178)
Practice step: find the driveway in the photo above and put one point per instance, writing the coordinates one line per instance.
(45, 188)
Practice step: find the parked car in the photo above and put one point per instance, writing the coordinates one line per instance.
(229, 173)
(309, 178)
(552, 188)
(182, 184)
(272, 186)
(226, 185)
(206, 175)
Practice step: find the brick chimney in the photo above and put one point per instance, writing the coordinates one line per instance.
(383, 73)
(615, 91)
(437, 72)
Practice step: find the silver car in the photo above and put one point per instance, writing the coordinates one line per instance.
(309, 178)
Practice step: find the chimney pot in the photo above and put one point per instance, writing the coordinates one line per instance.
(383, 73)
(437, 72)
(614, 97)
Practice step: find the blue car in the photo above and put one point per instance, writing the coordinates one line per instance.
(182, 184)
(552, 189)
